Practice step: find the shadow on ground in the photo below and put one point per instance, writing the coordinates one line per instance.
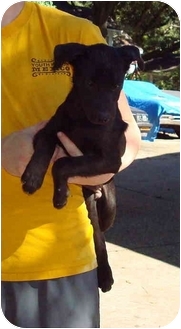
(162, 135)
(148, 213)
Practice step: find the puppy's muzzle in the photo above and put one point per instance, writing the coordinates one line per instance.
(100, 119)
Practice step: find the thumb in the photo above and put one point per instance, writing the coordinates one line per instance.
(70, 147)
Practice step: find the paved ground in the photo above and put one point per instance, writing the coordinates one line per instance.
(144, 245)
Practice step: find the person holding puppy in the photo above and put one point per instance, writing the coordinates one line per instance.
(49, 264)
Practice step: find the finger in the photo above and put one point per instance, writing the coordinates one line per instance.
(59, 153)
(71, 148)
(96, 189)
(97, 194)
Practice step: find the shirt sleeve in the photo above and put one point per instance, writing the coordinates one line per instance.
(91, 34)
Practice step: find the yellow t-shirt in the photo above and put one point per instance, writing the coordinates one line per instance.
(39, 241)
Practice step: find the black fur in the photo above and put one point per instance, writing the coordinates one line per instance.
(91, 119)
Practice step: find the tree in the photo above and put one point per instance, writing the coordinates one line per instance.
(152, 25)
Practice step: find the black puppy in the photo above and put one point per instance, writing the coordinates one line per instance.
(91, 119)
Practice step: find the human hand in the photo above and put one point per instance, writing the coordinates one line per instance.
(17, 149)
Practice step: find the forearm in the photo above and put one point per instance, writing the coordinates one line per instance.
(92, 181)
(17, 148)
(132, 134)
(133, 140)
(74, 151)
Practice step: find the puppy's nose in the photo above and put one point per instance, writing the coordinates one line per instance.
(103, 118)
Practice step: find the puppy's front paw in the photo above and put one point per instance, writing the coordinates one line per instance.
(31, 181)
(60, 197)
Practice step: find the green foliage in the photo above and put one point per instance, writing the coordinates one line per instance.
(163, 37)
(45, 3)
(82, 3)
(164, 80)
(152, 25)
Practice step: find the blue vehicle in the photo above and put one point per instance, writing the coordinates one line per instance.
(162, 107)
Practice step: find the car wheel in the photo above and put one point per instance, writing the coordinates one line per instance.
(177, 131)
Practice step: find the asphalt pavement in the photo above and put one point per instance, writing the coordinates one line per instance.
(144, 243)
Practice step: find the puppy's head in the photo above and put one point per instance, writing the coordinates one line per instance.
(99, 72)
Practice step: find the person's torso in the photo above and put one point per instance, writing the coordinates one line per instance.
(39, 241)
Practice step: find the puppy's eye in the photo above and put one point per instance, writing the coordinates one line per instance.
(115, 87)
(90, 83)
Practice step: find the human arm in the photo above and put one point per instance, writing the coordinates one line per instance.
(17, 148)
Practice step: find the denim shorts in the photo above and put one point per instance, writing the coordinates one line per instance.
(69, 302)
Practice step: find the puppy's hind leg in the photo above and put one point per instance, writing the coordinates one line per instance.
(104, 272)
(106, 206)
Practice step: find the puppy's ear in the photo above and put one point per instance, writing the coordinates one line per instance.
(67, 53)
(130, 54)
